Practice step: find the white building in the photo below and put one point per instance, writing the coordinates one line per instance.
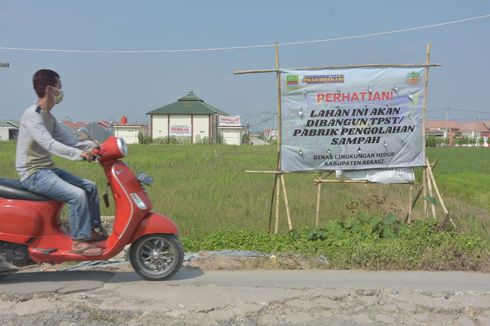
(190, 118)
(128, 132)
(230, 128)
(8, 130)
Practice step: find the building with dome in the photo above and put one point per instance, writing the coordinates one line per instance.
(192, 119)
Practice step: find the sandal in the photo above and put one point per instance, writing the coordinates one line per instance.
(85, 249)
(97, 236)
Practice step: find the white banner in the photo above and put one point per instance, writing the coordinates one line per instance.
(180, 130)
(401, 175)
(352, 119)
(229, 121)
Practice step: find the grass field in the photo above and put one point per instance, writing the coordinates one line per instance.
(205, 189)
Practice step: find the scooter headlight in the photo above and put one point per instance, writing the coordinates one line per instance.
(123, 147)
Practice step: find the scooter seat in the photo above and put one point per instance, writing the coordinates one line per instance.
(12, 189)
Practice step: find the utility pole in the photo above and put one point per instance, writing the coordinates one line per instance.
(248, 126)
(447, 117)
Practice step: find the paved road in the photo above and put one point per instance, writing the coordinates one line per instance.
(195, 297)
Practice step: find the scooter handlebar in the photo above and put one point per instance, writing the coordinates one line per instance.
(97, 153)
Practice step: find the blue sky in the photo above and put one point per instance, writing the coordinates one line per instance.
(107, 86)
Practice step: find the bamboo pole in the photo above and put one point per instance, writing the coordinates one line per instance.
(429, 186)
(424, 187)
(426, 95)
(424, 190)
(319, 189)
(278, 133)
(431, 175)
(290, 224)
(366, 182)
(414, 202)
(279, 109)
(410, 204)
(394, 65)
(443, 205)
(282, 172)
(426, 184)
(276, 228)
(272, 203)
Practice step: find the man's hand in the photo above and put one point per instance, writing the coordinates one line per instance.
(88, 155)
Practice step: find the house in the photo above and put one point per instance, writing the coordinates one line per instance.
(453, 129)
(9, 130)
(192, 119)
(98, 130)
(129, 132)
(230, 128)
(474, 129)
(442, 128)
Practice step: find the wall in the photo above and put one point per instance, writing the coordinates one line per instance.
(4, 133)
(159, 126)
(201, 127)
(231, 136)
(128, 133)
(199, 123)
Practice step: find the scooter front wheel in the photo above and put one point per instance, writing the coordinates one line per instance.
(156, 257)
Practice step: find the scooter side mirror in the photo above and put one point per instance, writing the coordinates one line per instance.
(145, 179)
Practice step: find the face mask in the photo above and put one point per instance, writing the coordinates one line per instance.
(58, 98)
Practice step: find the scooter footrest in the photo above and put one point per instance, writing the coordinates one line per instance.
(44, 251)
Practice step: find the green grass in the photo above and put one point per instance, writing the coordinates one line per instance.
(205, 188)
(216, 205)
(360, 243)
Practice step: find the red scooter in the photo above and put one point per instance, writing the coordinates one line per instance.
(30, 224)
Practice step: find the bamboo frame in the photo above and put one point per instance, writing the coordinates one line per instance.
(436, 188)
(408, 217)
(428, 178)
(426, 89)
(278, 174)
(290, 224)
(276, 228)
(318, 196)
(423, 189)
(410, 204)
(281, 172)
(316, 181)
(277, 70)
(431, 194)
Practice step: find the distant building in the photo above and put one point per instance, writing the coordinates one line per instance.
(270, 134)
(230, 128)
(453, 129)
(129, 132)
(98, 130)
(192, 118)
(9, 130)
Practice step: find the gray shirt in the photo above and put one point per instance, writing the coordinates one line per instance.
(40, 135)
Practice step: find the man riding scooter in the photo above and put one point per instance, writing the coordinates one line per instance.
(39, 137)
(30, 229)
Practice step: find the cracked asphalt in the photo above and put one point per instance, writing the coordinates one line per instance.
(259, 297)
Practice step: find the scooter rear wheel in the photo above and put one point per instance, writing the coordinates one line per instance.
(156, 257)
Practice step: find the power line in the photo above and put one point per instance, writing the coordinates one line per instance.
(341, 38)
(459, 110)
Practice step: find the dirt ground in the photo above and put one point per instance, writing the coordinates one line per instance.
(213, 289)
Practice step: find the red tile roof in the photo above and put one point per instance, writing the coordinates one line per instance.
(461, 126)
(441, 124)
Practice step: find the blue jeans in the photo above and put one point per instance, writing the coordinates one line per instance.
(80, 194)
